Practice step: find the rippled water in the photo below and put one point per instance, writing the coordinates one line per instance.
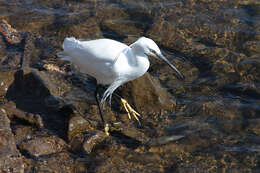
(215, 44)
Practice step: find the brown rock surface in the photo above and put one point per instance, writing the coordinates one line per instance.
(43, 146)
(10, 158)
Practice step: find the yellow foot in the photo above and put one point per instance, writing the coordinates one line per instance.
(106, 129)
(130, 111)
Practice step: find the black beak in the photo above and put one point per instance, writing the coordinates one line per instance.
(179, 75)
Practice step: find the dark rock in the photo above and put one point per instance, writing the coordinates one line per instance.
(12, 111)
(9, 33)
(216, 107)
(43, 146)
(6, 78)
(60, 162)
(10, 158)
(250, 68)
(82, 28)
(77, 125)
(39, 84)
(164, 140)
(254, 126)
(81, 135)
(23, 133)
(94, 139)
(178, 25)
(252, 47)
(256, 24)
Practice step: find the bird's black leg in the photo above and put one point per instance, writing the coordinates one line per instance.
(98, 103)
(106, 126)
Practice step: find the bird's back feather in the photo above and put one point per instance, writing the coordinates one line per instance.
(104, 50)
(94, 57)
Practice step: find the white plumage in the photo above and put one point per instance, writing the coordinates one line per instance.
(112, 63)
(109, 61)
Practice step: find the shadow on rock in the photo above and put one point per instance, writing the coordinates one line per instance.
(31, 94)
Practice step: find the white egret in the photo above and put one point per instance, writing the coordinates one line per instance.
(112, 63)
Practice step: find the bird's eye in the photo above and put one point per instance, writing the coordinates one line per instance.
(153, 51)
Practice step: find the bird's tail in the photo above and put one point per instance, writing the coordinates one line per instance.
(68, 44)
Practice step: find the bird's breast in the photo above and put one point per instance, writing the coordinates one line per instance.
(130, 70)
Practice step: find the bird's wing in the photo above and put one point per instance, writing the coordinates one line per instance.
(103, 50)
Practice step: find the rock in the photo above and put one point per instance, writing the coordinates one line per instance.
(151, 92)
(10, 34)
(256, 24)
(43, 146)
(77, 125)
(249, 68)
(254, 127)
(23, 133)
(81, 135)
(94, 139)
(12, 111)
(252, 47)
(30, 82)
(113, 26)
(216, 107)
(10, 158)
(164, 140)
(6, 78)
(63, 162)
(178, 25)
(84, 28)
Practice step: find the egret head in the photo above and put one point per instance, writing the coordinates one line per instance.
(150, 48)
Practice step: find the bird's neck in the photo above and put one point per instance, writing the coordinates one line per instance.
(142, 63)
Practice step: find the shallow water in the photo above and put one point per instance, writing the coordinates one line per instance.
(215, 44)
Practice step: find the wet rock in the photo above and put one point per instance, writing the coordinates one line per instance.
(220, 108)
(164, 140)
(10, 158)
(135, 135)
(249, 68)
(82, 28)
(11, 111)
(113, 27)
(10, 34)
(81, 135)
(256, 25)
(54, 103)
(30, 52)
(23, 133)
(217, 104)
(6, 78)
(94, 139)
(77, 125)
(36, 23)
(151, 92)
(14, 44)
(39, 84)
(22, 48)
(12, 60)
(43, 146)
(252, 47)
(254, 127)
(59, 162)
(176, 25)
